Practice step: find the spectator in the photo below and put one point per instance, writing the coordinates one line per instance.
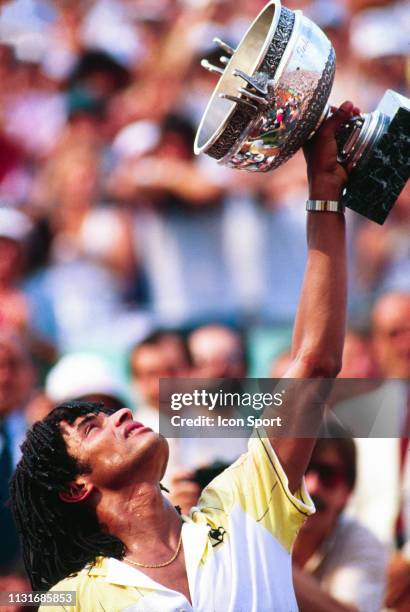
(16, 383)
(14, 228)
(382, 459)
(162, 354)
(391, 333)
(85, 376)
(180, 216)
(217, 352)
(391, 328)
(358, 356)
(339, 565)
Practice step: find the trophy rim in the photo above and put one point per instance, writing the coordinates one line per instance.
(207, 143)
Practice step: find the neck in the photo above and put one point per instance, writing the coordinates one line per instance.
(143, 519)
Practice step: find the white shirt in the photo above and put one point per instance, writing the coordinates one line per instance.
(237, 546)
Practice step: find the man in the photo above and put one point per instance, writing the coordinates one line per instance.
(358, 359)
(14, 229)
(16, 385)
(391, 334)
(217, 352)
(162, 354)
(86, 376)
(87, 490)
(382, 460)
(339, 565)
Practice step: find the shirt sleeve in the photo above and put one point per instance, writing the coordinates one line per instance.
(259, 485)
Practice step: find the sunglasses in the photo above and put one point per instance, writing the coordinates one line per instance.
(329, 475)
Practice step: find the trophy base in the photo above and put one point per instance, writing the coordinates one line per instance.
(377, 180)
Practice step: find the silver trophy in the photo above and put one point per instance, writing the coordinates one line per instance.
(273, 95)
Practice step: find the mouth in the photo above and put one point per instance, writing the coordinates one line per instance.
(135, 428)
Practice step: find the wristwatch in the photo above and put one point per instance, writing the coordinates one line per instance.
(325, 206)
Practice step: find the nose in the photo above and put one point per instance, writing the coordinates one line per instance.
(118, 418)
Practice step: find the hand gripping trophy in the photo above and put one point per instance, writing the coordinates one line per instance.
(273, 95)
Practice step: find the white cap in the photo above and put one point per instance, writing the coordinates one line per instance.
(79, 374)
(14, 224)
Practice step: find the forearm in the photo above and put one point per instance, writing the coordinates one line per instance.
(317, 345)
(320, 322)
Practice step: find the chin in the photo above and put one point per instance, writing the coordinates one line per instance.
(151, 450)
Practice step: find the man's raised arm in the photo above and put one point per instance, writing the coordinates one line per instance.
(320, 321)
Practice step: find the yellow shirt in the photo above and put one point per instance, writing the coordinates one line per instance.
(237, 545)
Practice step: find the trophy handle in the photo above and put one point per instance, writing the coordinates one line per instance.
(357, 137)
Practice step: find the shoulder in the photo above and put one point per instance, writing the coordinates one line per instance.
(256, 488)
(79, 587)
(56, 601)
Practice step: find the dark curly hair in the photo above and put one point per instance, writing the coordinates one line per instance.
(58, 539)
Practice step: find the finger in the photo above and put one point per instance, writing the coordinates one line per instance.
(346, 107)
(342, 114)
(345, 110)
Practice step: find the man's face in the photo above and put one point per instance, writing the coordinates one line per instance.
(15, 378)
(117, 450)
(391, 333)
(148, 365)
(216, 353)
(327, 483)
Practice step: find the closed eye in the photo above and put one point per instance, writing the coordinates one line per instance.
(89, 427)
(87, 423)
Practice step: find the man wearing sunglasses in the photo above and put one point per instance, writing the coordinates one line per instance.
(339, 565)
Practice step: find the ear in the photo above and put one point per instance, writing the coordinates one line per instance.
(78, 492)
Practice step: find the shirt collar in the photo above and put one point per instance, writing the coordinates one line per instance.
(194, 538)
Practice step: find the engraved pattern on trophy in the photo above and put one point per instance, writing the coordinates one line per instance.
(310, 120)
(296, 133)
(301, 129)
(242, 116)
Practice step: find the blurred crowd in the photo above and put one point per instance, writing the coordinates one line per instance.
(124, 258)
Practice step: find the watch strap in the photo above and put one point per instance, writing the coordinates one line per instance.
(325, 206)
